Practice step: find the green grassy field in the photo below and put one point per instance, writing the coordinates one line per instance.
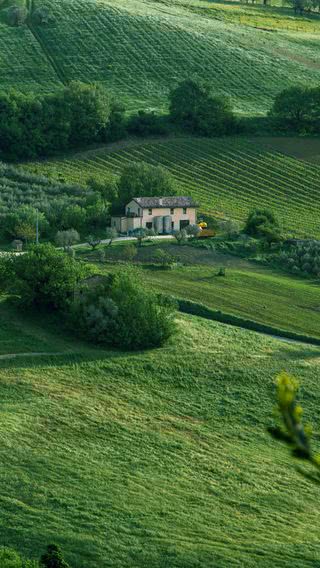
(140, 49)
(248, 290)
(155, 459)
(227, 177)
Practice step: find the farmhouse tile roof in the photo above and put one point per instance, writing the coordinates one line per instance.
(159, 202)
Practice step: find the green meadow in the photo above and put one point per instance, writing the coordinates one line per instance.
(159, 458)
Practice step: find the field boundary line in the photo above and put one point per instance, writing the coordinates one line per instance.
(203, 311)
(44, 48)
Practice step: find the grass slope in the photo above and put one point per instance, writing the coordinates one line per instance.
(227, 176)
(248, 290)
(141, 48)
(23, 64)
(158, 458)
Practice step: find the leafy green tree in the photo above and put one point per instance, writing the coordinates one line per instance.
(16, 15)
(195, 109)
(142, 234)
(53, 558)
(108, 189)
(90, 109)
(262, 223)
(298, 108)
(74, 216)
(43, 277)
(9, 558)
(111, 234)
(93, 241)
(144, 180)
(21, 223)
(65, 239)
(180, 236)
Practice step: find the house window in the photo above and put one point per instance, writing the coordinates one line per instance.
(172, 225)
(128, 211)
(171, 211)
(150, 211)
(149, 225)
(184, 210)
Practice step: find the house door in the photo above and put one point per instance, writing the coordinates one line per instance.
(184, 223)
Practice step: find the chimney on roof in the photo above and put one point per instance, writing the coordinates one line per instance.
(160, 201)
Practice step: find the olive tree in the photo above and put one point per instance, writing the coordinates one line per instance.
(65, 239)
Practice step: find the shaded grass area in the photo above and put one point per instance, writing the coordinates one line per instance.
(158, 458)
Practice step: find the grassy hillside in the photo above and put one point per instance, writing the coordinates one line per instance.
(228, 176)
(141, 48)
(156, 459)
(248, 290)
(23, 63)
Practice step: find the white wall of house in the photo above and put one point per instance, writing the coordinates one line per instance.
(177, 214)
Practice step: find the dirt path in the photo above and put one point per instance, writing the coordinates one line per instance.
(10, 356)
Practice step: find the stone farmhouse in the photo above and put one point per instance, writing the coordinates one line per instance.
(163, 214)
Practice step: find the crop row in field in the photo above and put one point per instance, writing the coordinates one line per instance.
(19, 188)
(23, 65)
(139, 51)
(227, 176)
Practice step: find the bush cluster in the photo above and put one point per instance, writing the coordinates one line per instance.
(302, 258)
(122, 312)
(119, 311)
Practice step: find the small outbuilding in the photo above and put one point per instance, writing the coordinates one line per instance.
(163, 214)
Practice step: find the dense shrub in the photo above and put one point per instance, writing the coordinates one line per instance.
(147, 124)
(194, 108)
(124, 313)
(43, 277)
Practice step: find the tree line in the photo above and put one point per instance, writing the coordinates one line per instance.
(80, 114)
(33, 125)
